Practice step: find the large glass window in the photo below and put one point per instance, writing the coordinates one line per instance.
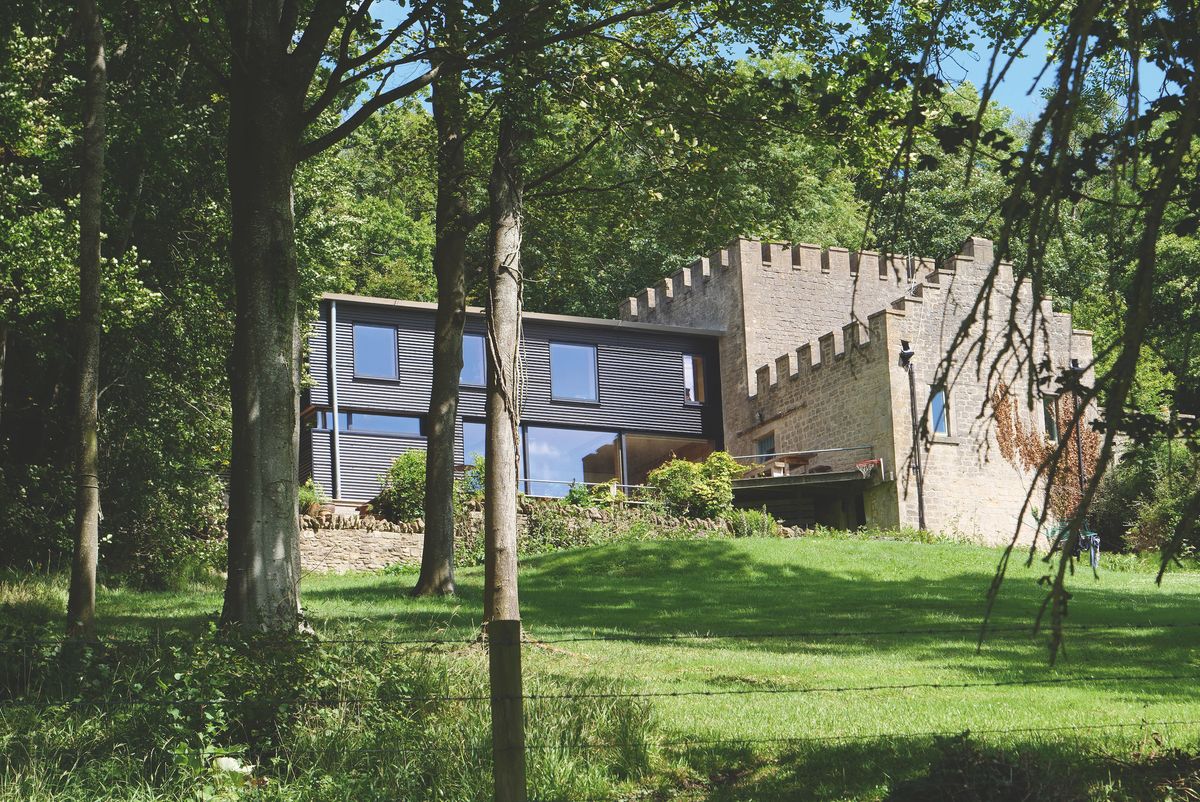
(573, 372)
(558, 457)
(1050, 417)
(375, 352)
(474, 441)
(378, 423)
(644, 453)
(693, 379)
(940, 412)
(474, 370)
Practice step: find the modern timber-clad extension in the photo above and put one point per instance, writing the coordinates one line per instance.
(786, 356)
(601, 399)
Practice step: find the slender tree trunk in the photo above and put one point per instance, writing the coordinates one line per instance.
(81, 601)
(449, 256)
(503, 412)
(262, 592)
(3, 357)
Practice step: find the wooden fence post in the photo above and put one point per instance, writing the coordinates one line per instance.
(508, 714)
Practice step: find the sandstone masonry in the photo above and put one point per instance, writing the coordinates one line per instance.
(809, 358)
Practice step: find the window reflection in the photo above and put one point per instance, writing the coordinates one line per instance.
(474, 371)
(557, 457)
(644, 453)
(573, 372)
(939, 416)
(693, 379)
(375, 352)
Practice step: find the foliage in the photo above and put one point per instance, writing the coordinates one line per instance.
(578, 495)
(752, 523)
(1140, 501)
(1025, 447)
(697, 489)
(185, 711)
(311, 496)
(403, 495)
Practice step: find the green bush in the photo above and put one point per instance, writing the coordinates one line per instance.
(697, 489)
(312, 495)
(753, 523)
(149, 720)
(577, 496)
(403, 494)
(1140, 501)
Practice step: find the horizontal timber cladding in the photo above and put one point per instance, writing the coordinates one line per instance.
(317, 391)
(640, 373)
(322, 458)
(365, 458)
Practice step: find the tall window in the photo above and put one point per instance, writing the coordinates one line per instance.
(1050, 417)
(693, 379)
(764, 446)
(573, 372)
(474, 370)
(474, 441)
(558, 457)
(375, 352)
(940, 412)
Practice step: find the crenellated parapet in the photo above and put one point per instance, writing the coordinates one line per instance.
(704, 275)
(854, 341)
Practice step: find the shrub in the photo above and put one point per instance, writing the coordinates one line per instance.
(753, 523)
(403, 494)
(577, 496)
(312, 496)
(176, 703)
(697, 489)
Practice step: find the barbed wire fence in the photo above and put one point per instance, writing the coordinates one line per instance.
(506, 751)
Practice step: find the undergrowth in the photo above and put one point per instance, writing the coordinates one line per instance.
(216, 718)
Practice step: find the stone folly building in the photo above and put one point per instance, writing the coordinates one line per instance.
(810, 368)
(785, 356)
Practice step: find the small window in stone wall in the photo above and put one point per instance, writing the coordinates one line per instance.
(1050, 417)
(764, 446)
(939, 412)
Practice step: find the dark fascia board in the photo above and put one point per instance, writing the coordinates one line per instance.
(568, 320)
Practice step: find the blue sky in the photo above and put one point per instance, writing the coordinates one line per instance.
(1020, 91)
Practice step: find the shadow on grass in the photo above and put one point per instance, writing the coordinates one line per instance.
(744, 588)
(955, 769)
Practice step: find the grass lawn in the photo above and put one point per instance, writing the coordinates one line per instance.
(762, 590)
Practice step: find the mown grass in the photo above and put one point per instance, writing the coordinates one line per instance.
(905, 613)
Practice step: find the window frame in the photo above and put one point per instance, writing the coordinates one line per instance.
(1050, 415)
(689, 359)
(763, 456)
(595, 400)
(483, 357)
(325, 417)
(933, 394)
(354, 326)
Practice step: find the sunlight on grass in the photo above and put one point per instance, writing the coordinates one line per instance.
(903, 613)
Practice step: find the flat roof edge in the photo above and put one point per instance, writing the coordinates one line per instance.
(546, 317)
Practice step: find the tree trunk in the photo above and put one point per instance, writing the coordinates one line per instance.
(449, 255)
(503, 403)
(3, 357)
(262, 592)
(81, 601)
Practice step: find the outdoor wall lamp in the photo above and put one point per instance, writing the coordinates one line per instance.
(906, 355)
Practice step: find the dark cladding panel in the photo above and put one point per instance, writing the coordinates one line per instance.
(366, 458)
(318, 358)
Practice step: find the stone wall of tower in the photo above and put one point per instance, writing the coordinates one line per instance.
(797, 362)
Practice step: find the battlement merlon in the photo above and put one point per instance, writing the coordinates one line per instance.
(827, 349)
(832, 262)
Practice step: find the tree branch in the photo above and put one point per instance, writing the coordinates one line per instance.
(364, 112)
